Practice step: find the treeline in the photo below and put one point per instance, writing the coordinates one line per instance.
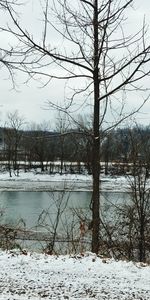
(129, 146)
(119, 148)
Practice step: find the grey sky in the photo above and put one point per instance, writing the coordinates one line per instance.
(30, 100)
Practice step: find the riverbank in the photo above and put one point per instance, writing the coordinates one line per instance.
(33, 181)
(36, 276)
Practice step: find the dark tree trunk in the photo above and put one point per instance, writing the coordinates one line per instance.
(96, 139)
(142, 241)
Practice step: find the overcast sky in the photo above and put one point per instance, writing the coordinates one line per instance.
(30, 99)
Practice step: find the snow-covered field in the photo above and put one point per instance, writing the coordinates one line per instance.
(38, 276)
(31, 181)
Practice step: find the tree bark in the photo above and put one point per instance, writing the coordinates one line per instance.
(96, 139)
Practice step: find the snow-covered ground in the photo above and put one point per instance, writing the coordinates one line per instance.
(38, 276)
(32, 181)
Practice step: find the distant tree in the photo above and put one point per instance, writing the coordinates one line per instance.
(37, 143)
(13, 140)
(61, 129)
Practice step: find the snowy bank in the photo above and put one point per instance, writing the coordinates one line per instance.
(31, 181)
(37, 276)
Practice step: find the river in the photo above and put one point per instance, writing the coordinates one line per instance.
(29, 205)
(46, 211)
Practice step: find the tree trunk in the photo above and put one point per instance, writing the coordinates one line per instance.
(96, 140)
(142, 241)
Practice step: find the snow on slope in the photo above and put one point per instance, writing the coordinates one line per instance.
(38, 276)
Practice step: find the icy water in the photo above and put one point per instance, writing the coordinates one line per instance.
(28, 206)
(43, 212)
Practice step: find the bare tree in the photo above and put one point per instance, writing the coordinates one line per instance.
(93, 48)
(53, 218)
(140, 190)
(13, 135)
(61, 128)
(38, 145)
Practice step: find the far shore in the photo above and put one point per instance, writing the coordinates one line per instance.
(31, 181)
